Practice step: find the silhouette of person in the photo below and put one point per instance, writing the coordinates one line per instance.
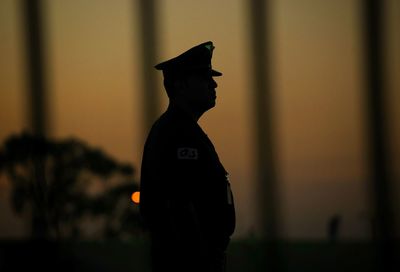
(333, 227)
(186, 201)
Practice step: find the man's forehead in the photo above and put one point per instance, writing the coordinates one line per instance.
(204, 75)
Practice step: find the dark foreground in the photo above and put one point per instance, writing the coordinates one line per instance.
(243, 255)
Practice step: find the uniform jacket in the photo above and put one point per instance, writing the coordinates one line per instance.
(185, 192)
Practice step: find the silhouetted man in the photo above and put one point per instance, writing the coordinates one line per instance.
(186, 200)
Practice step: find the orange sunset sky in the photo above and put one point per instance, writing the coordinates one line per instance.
(93, 78)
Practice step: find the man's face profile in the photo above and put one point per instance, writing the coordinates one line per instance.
(199, 90)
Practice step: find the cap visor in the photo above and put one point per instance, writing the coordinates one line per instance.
(215, 73)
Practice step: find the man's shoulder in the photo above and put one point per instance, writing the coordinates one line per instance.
(172, 132)
(173, 124)
(166, 126)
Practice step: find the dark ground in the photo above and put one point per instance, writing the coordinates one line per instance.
(243, 255)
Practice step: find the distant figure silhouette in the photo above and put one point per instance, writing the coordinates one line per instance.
(333, 227)
(186, 201)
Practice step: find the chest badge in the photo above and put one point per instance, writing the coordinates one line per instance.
(187, 153)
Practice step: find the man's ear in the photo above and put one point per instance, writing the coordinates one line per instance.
(180, 86)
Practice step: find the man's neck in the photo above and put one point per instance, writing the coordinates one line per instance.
(184, 106)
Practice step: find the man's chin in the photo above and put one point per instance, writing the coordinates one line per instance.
(212, 104)
(208, 106)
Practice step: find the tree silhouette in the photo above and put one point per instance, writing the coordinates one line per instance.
(67, 186)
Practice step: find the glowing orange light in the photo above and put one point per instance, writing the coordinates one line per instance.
(135, 197)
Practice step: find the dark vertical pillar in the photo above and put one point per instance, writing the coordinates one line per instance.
(377, 129)
(263, 115)
(35, 66)
(32, 15)
(149, 42)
